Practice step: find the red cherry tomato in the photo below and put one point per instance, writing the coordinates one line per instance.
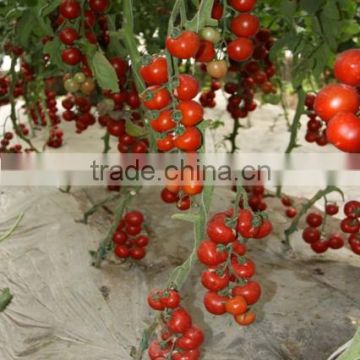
(236, 305)
(320, 246)
(192, 339)
(314, 219)
(164, 122)
(217, 10)
(336, 241)
(156, 98)
(343, 132)
(213, 281)
(336, 98)
(70, 9)
(219, 232)
(188, 87)
(240, 49)
(245, 225)
(243, 5)
(245, 319)
(350, 226)
(192, 112)
(155, 73)
(180, 321)
(154, 300)
(190, 140)
(208, 253)
(122, 251)
(171, 299)
(98, 5)
(245, 270)
(311, 235)
(68, 36)
(169, 197)
(352, 209)
(71, 56)
(245, 25)
(251, 292)
(206, 52)
(215, 303)
(185, 46)
(347, 67)
(165, 144)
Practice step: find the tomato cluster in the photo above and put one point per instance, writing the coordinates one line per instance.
(5, 142)
(128, 239)
(290, 211)
(316, 131)
(338, 104)
(351, 224)
(175, 115)
(256, 196)
(55, 137)
(227, 278)
(178, 337)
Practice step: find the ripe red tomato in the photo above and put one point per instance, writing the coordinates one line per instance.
(180, 321)
(171, 299)
(245, 270)
(137, 253)
(352, 209)
(90, 18)
(206, 52)
(120, 237)
(347, 67)
(291, 212)
(157, 350)
(98, 5)
(311, 235)
(320, 246)
(192, 112)
(343, 131)
(336, 241)
(350, 226)
(243, 5)
(331, 209)
(120, 66)
(155, 73)
(215, 303)
(191, 339)
(245, 319)
(116, 128)
(245, 25)
(71, 56)
(141, 241)
(154, 300)
(217, 10)
(240, 49)
(156, 98)
(185, 46)
(336, 98)
(188, 88)
(190, 140)
(245, 225)
(164, 122)
(238, 248)
(70, 9)
(251, 292)
(192, 182)
(165, 144)
(264, 229)
(219, 232)
(208, 253)
(184, 203)
(236, 305)
(134, 218)
(169, 197)
(68, 36)
(122, 251)
(314, 219)
(186, 355)
(213, 281)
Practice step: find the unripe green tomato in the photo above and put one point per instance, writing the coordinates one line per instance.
(79, 77)
(105, 106)
(217, 68)
(210, 34)
(88, 86)
(71, 86)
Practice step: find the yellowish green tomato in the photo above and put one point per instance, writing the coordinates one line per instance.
(71, 85)
(210, 34)
(79, 77)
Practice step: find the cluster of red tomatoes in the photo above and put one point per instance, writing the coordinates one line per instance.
(316, 131)
(338, 104)
(179, 338)
(290, 211)
(128, 238)
(55, 137)
(351, 224)
(227, 278)
(69, 13)
(5, 143)
(82, 115)
(175, 115)
(256, 198)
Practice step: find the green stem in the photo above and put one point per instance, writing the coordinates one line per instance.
(106, 140)
(296, 121)
(307, 206)
(97, 206)
(8, 233)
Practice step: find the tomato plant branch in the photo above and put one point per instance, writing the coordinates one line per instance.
(96, 207)
(307, 206)
(13, 116)
(8, 233)
(232, 137)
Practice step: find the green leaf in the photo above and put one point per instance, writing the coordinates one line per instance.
(24, 28)
(53, 49)
(49, 7)
(134, 130)
(104, 72)
(5, 299)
